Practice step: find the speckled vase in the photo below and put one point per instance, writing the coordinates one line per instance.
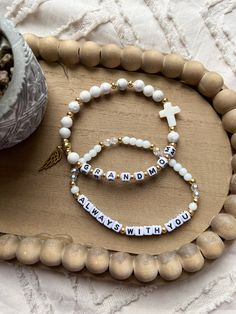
(24, 102)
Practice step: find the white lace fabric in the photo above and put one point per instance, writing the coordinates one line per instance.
(200, 30)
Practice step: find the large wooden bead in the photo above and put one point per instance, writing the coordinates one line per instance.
(90, 53)
(191, 257)
(68, 51)
(28, 250)
(51, 252)
(97, 260)
(232, 186)
(170, 267)
(230, 205)
(210, 84)
(121, 265)
(33, 42)
(74, 257)
(48, 48)
(172, 65)
(210, 244)
(152, 61)
(192, 72)
(229, 121)
(131, 58)
(145, 267)
(224, 101)
(233, 162)
(110, 56)
(8, 246)
(224, 225)
(233, 141)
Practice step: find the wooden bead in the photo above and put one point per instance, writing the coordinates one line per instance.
(229, 121)
(48, 48)
(110, 56)
(145, 267)
(172, 65)
(8, 246)
(28, 250)
(224, 101)
(51, 252)
(233, 162)
(68, 51)
(97, 260)
(131, 58)
(33, 42)
(232, 186)
(210, 84)
(224, 225)
(152, 61)
(170, 267)
(90, 53)
(230, 204)
(121, 265)
(233, 141)
(74, 257)
(210, 244)
(192, 73)
(191, 257)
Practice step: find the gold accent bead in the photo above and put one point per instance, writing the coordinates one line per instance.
(70, 114)
(164, 100)
(172, 128)
(117, 176)
(104, 175)
(173, 144)
(77, 194)
(163, 229)
(119, 139)
(65, 140)
(192, 181)
(78, 99)
(158, 167)
(145, 173)
(131, 177)
(122, 230)
(68, 150)
(91, 170)
(167, 157)
(130, 84)
(195, 199)
(102, 144)
(72, 183)
(191, 212)
(152, 146)
(79, 164)
(113, 85)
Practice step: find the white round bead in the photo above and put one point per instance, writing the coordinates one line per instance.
(173, 137)
(97, 148)
(177, 167)
(66, 122)
(183, 171)
(139, 143)
(92, 153)
(146, 144)
(82, 160)
(72, 158)
(187, 177)
(105, 88)
(64, 132)
(125, 139)
(85, 96)
(138, 85)
(87, 157)
(158, 95)
(74, 189)
(74, 106)
(122, 84)
(132, 141)
(95, 91)
(148, 90)
(192, 206)
(172, 162)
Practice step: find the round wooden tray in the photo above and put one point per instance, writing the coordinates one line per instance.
(35, 203)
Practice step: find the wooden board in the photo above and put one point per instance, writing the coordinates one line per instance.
(33, 202)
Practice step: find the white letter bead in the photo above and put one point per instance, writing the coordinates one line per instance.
(158, 95)
(94, 211)
(138, 85)
(85, 168)
(111, 175)
(177, 221)
(146, 144)
(129, 230)
(183, 171)
(148, 90)
(192, 206)
(95, 91)
(185, 216)
(125, 140)
(74, 106)
(116, 226)
(64, 132)
(72, 158)
(187, 177)
(170, 225)
(152, 171)
(67, 122)
(82, 199)
(147, 230)
(108, 222)
(105, 88)
(74, 189)
(138, 231)
(122, 84)
(101, 218)
(177, 167)
(88, 206)
(139, 176)
(97, 148)
(173, 137)
(85, 96)
(162, 162)
(156, 229)
(170, 150)
(172, 162)
(125, 176)
(97, 173)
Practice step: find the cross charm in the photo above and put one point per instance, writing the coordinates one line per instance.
(169, 113)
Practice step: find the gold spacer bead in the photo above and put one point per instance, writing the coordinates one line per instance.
(152, 146)
(104, 175)
(158, 167)
(79, 164)
(195, 199)
(163, 229)
(167, 157)
(70, 114)
(78, 99)
(164, 100)
(72, 183)
(102, 144)
(117, 176)
(192, 181)
(191, 212)
(91, 170)
(131, 177)
(65, 140)
(68, 150)
(113, 85)
(173, 144)
(171, 128)
(122, 230)
(77, 194)
(120, 139)
(145, 173)
(130, 84)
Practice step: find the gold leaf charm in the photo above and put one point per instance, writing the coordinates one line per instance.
(54, 158)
